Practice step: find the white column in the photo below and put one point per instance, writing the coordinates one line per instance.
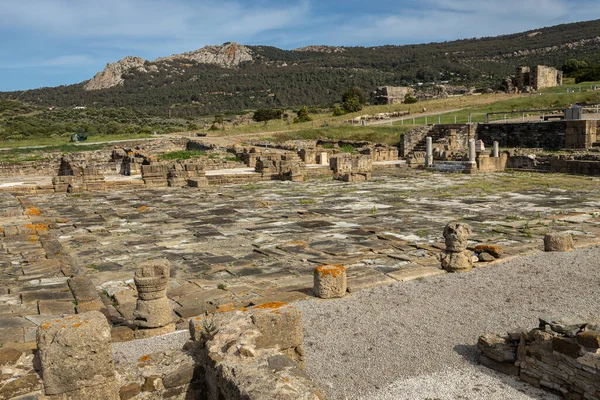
(472, 153)
(496, 153)
(429, 151)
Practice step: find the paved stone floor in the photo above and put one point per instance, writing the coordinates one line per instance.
(254, 243)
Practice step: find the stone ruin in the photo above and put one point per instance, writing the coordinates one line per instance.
(390, 95)
(152, 309)
(351, 168)
(284, 167)
(561, 356)
(76, 175)
(456, 257)
(528, 79)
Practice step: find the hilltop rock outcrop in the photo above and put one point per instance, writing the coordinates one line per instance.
(227, 55)
(112, 74)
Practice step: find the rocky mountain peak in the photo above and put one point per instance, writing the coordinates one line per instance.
(111, 75)
(229, 54)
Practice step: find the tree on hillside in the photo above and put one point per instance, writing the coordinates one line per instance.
(266, 114)
(353, 99)
(302, 115)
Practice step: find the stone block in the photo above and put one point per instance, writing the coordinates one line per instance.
(589, 338)
(121, 334)
(144, 333)
(183, 375)
(83, 289)
(330, 281)
(129, 391)
(75, 354)
(153, 383)
(560, 241)
(9, 355)
(20, 386)
(503, 367)
(49, 307)
(280, 325)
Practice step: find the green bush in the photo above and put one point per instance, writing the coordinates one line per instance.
(338, 111)
(302, 115)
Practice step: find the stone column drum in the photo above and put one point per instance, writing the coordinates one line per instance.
(457, 258)
(330, 281)
(152, 310)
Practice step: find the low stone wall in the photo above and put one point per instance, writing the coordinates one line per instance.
(578, 167)
(546, 135)
(562, 357)
(251, 353)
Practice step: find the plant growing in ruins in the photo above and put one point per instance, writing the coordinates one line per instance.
(209, 329)
(302, 115)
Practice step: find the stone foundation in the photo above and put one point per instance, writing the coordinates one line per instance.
(560, 356)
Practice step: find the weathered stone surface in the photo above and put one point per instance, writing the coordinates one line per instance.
(83, 289)
(129, 391)
(456, 235)
(458, 262)
(121, 334)
(75, 353)
(587, 338)
(9, 355)
(280, 325)
(152, 332)
(152, 383)
(561, 241)
(152, 309)
(22, 385)
(330, 281)
(181, 376)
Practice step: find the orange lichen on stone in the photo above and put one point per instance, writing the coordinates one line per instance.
(32, 211)
(333, 270)
(77, 325)
(41, 227)
(32, 238)
(271, 306)
(31, 227)
(494, 250)
(62, 220)
(144, 358)
(45, 326)
(143, 208)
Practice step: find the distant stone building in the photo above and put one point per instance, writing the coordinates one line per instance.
(390, 95)
(538, 77)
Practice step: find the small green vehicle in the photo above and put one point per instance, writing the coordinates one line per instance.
(79, 137)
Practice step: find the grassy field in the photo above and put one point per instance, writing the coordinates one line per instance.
(61, 141)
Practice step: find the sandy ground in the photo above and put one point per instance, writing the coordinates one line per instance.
(416, 340)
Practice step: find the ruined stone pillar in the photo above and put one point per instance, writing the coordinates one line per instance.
(330, 281)
(558, 241)
(429, 151)
(496, 152)
(152, 310)
(76, 357)
(456, 257)
(472, 153)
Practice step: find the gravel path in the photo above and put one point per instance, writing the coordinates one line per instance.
(416, 340)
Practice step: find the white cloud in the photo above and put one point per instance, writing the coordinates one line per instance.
(163, 20)
(437, 20)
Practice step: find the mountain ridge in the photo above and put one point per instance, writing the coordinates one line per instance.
(235, 76)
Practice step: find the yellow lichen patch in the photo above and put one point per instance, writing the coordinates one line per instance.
(32, 211)
(271, 306)
(41, 228)
(226, 308)
(77, 325)
(45, 326)
(144, 358)
(32, 238)
(142, 208)
(31, 227)
(333, 270)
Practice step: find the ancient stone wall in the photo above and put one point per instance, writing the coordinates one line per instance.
(581, 134)
(545, 77)
(410, 139)
(547, 135)
(560, 356)
(390, 95)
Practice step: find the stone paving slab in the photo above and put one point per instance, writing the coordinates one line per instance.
(247, 244)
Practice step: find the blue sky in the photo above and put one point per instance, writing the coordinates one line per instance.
(55, 42)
